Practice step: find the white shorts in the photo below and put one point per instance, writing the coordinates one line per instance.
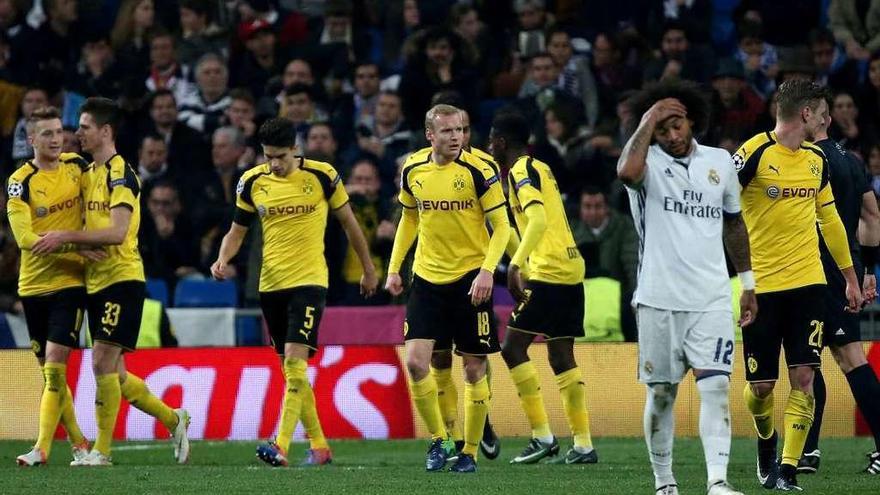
(671, 342)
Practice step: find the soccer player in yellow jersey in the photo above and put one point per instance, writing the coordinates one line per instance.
(551, 304)
(44, 195)
(291, 197)
(785, 190)
(447, 197)
(441, 359)
(115, 284)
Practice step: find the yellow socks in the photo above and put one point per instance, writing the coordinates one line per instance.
(137, 394)
(107, 397)
(447, 395)
(476, 407)
(525, 377)
(762, 412)
(54, 388)
(68, 419)
(424, 394)
(571, 387)
(297, 382)
(798, 419)
(310, 420)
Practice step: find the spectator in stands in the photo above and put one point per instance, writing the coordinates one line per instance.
(291, 28)
(541, 90)
(694, 15)
(575, 75)
(678, 59)
(261, 60)
(297, 71)
(833, 68)
(9, 260)
(153, 163)
(485, 52)
(44, 55)
(97, 73)
(438, 64)
(34, 98)
(533, 20)
(737, 106)
(242, 113)
(337, 44)
(165, 71)
(607, 240)
(564, 147)
(758, 58)
(387, 138)
(874, 167)
(187, 148)
(402, 19)
(611, 74)
(166, 240)
(198, 33)
(358, 108)
(845, 127)
(371, 211)
(299, 107)
(321, 144)
(130, 37)
(203, 110)
(856, 25)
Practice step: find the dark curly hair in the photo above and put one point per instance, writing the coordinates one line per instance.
(277, 132)
(688, 93)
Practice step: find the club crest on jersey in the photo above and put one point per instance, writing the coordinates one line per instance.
(714, 178)
(814, 168)
(308, 187)
(458, 184)
(14, 189)
(738, 161)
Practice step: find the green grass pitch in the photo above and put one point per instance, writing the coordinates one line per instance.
(365, 467)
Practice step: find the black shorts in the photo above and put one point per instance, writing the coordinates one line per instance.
(115, 314)
(792, 319)
(554, 311)
(841, 326)
(56, 317)
(444, 313)
(294, 315)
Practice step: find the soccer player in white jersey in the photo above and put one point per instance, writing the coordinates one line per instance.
(685, 202)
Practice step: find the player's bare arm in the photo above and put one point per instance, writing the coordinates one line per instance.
(229, 247)
(736, 240)
(359, 243)
(631, 165)
(869, 238)
(120, 218)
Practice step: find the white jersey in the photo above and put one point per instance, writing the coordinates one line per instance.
(678, 214)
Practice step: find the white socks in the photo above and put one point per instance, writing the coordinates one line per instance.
(659, 424)
(715, 425)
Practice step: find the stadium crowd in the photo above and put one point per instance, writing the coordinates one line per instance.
(196, 78)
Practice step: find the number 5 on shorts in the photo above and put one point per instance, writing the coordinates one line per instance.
(483, 323)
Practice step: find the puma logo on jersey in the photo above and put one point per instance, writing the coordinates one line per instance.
(771, 167)
(418, 183)
(41, 191)
(264, 190)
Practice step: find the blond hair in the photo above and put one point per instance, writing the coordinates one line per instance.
(437, 110)
(42, 113)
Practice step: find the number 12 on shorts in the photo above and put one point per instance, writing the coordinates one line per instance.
(727, 347)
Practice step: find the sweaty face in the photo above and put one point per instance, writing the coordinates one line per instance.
(47, 139)
(674, 135)
(446, 135)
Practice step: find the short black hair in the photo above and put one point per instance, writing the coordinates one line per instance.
(200, 7)
(152, 135)
(242, 94)
(278, 132)
(160, 92)
(592, 190)
(297, 88)
(104, 111)
(795, 94)
(512, 126)
(687, 92)
(822, 36)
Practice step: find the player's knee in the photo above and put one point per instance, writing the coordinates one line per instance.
(441, 360)
(561, 362)
(663, 394)
(849, 356)
(513, 354)
(802, 378)
(474, 369)
(762, 389)
(417, 368)
(57, 353)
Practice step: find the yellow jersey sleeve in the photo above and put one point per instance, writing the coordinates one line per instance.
(18, 211)
(330, 180)
(406, 197)
(526, 183)
(123, 184)
(243, 190)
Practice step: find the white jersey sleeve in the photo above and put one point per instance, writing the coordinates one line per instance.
(731, 189)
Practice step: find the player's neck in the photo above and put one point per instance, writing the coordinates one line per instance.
(789, 134)
(104, 154)
(441, 159)
(512, 155)
(45, 163)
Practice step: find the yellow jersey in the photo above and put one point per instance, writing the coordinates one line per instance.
(556, 258)
(105, 186)
(40, 201)
(293, 214)
(452, 202)
(784, 193)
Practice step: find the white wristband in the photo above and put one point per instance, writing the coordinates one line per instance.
(747, 280)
